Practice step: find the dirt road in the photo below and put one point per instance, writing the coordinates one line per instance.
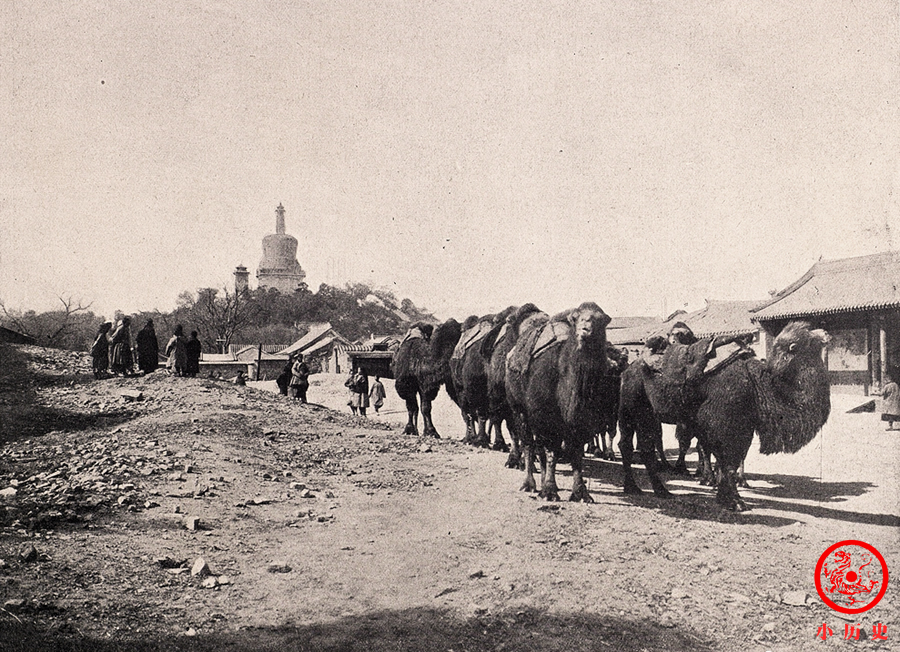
(327, 532)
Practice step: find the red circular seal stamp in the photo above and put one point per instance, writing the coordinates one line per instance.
(851, 576)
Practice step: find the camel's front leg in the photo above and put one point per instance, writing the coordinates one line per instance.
(579, 488)
(727, 494)
(470, 428)
(684, 445)
(647, 442)
(429, 429)
(549, 490)
(412, 425)
(626, 449)
(529, 484)
(482, 439)
(496, 427)
(516, 426)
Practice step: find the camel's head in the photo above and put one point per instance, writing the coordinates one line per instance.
(798, 340)
(521, 313)
(470, 321)
(589, 322)
(503, 316)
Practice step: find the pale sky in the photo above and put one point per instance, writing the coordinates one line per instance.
(467, 155)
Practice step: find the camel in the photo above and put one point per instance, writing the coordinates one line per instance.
(496, 347)
(551, 376)
(469, 370)
(420, 366)
(786, 400)
(617, 362)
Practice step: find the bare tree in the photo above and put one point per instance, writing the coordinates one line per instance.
(220, 317)
(56, 328)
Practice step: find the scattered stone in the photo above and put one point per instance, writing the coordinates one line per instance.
(306, 493)
(200, 568)
(168, 562)
(191, 632)
(27, 553)
(769, 627)
(678, 594)
(474, 575)
(297, 486)
(14, 605)
(279, 568)
(191, 523)
(425, 448)
(131, 395)
(795, 598)
(8, 493)
(209, 582)
(224, 580)
(445, 592)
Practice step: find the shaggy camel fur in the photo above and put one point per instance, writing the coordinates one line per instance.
(786, 400)
(469, 370)
(496, 347)
(420, 366)
(553, 395)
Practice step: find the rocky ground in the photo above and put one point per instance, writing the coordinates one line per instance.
(161, 513)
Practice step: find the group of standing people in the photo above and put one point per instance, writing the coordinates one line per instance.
(360, 395)
(294, 378)
(113, 352)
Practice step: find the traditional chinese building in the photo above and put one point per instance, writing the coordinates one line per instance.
(857, 300)
(279, 268)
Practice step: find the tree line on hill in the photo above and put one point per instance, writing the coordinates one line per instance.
(223, 317)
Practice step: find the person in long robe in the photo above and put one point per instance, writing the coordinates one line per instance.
(121, 358)
(193, 349)
(100, 351)
(147, 348)
(176, 352)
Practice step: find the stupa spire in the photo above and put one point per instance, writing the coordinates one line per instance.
(279, 219)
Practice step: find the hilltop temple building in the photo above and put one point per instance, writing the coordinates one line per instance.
(279, 268)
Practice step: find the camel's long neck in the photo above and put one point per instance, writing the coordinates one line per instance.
(582, 368)
(791, 408)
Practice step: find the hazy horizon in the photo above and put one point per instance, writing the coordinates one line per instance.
(468, 156)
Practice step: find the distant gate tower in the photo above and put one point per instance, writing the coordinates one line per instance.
(279, 268)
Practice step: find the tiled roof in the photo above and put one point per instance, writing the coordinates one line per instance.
(630, 322)
(832, 286)
(717, 318)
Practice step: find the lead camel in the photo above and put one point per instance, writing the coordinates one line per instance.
(785, 399)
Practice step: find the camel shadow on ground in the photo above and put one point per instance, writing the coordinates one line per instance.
(694, 501)
(24, 415)
(411, 630)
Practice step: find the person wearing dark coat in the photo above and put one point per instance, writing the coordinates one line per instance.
(121, 358)
(299, 379)
(284, 378)
(147, 348)
(193, 349)
(100, 351)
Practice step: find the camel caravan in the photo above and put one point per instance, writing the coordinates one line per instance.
(561, 389)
